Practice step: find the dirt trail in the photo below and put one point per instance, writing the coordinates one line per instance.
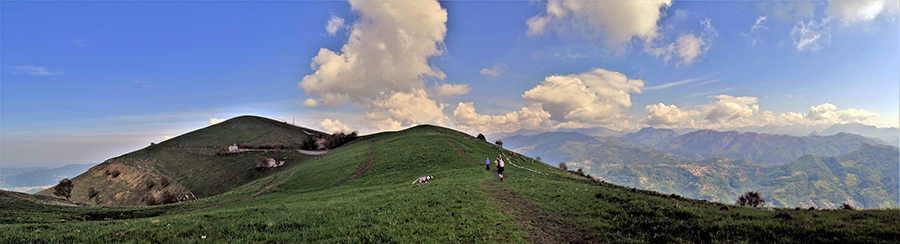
(542, 227)
(362, 168)
(462, 151)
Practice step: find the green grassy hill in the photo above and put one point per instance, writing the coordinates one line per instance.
(189, 163)
(362, 192)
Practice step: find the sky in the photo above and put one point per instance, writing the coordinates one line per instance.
(81, 82)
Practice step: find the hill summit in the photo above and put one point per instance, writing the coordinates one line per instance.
(192, 165)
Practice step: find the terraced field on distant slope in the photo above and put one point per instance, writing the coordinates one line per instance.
(463, 204)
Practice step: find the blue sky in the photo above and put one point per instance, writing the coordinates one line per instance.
(85, 81)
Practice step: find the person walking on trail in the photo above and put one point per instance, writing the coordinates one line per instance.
(487, 164)
(500, 166)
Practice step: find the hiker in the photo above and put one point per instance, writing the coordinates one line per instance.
(500, 166)
(487, 164)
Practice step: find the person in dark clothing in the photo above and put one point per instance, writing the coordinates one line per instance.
(500, 166)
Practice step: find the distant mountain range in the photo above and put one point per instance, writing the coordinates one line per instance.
(822, 171)
(34, 179)
(766, 149)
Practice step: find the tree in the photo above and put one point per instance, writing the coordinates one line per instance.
(538, 158)
(848, 207)
(481, 137)
(64, 188)
(752, 199)
(499, 143)
(562, 166)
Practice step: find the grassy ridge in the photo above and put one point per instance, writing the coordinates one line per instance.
(464, 203)
(190, 162)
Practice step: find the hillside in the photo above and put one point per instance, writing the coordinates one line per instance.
(651, 136)
(765, 149)
(866, 177)
(361, 192)
(188, 166)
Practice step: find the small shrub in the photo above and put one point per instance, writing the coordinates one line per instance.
(481, 137)
(92, 193)
(848, 207)
(562, 166)
(499, 143)
(723, 208)
(752, 199)
(164, 182)
(167, 198)
(538, 159)
(150, 200)
(150, 184)
(784, 216)
(812, 208)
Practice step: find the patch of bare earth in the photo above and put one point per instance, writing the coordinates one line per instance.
(365, 167)
(462, 151)
(542, 227)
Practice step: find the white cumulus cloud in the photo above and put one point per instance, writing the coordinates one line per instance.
(828, 112)
(669, 116)
(591, 97)
(617, 21)
(730, 108)
(329, 125)
(532, 117)
(384, 63)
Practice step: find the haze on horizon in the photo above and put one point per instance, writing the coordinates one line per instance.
(87, 81)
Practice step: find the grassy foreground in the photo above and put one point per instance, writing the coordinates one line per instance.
(361, 192)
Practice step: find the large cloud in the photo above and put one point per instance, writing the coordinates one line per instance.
(592, 97)
(828, 112)
(384, 62)
(617, 21)
(333, 126)
(532, 117)
(730, 108)
(734, 112)
(669, 116)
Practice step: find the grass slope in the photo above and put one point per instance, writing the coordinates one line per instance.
(189, 162)
(361, 192)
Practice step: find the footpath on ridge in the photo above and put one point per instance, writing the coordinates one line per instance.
(542, 227)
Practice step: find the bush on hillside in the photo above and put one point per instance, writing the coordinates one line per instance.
(481, 137)
(150, 184)
(848, 207)
(150, 200)
(562, 166)
(752, 199)
(92, 193)
(499, 143)
(164, 182)
(64, 188)
(167, 198)
(539, 159)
